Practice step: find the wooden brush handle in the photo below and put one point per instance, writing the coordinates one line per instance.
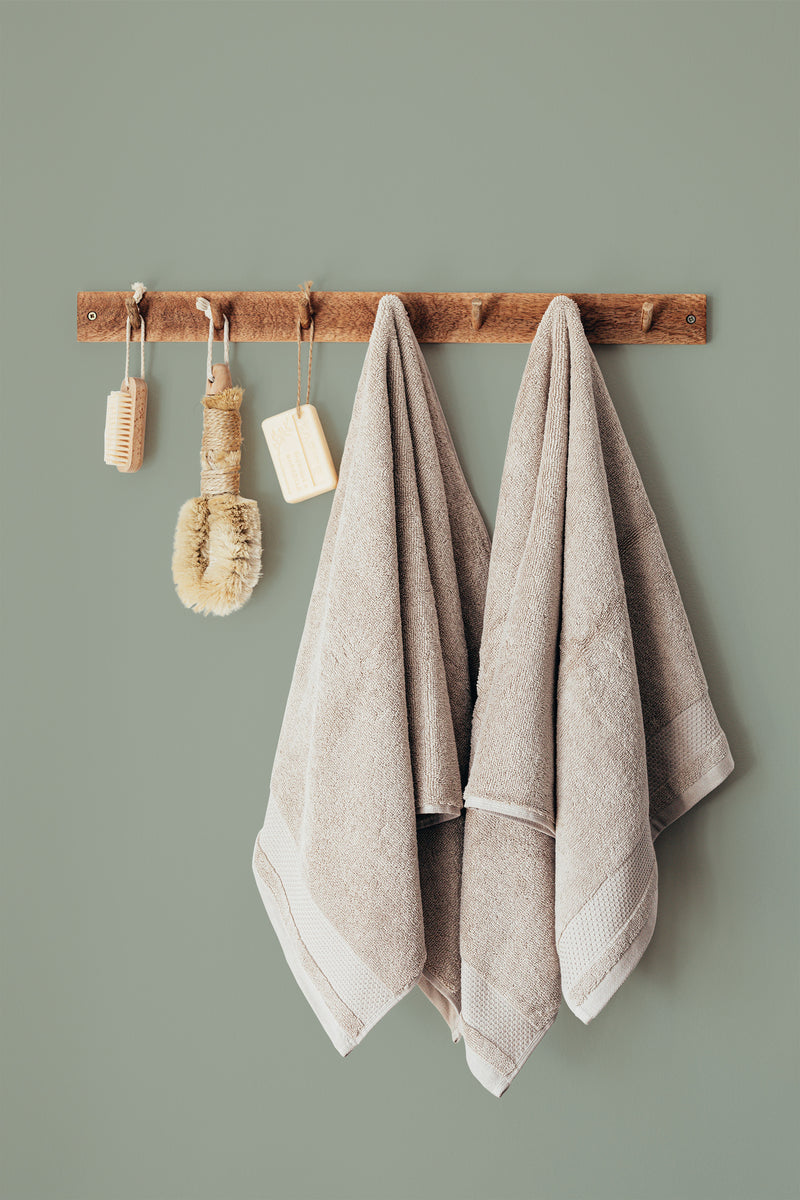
(222, 379)
(137, 390)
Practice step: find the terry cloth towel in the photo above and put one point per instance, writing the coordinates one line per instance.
(359, 859)
(593, 728)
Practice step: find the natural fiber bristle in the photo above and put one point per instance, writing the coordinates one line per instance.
(118, 442)
(229, 399)
(216, 561)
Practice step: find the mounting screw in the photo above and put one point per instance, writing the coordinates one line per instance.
(93, 316)
(690, 320)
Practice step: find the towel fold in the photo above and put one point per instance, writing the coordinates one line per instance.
(359, 859)
(593, 728)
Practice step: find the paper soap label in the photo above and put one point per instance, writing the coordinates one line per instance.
(300, 453)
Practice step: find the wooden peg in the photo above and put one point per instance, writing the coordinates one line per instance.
(132, 310)
(408, 304)
(218, 314)
(306, 314)
(477, 314)
(647, 315)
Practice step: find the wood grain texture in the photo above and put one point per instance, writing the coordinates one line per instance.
(608, 318)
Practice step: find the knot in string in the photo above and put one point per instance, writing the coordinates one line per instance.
(138, 290)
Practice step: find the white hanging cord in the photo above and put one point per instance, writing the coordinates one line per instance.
(205, 308)
(138, 290)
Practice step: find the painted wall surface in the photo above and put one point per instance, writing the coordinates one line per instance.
(156, 1046)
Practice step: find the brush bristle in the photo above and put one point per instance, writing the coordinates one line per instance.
(118, 444)
(216, 560)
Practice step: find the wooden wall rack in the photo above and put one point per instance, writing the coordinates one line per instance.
(624, 319)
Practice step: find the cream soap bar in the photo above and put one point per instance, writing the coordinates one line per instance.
(300, 453)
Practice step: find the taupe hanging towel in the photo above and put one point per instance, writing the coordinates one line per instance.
(593, 729)
(359, 859)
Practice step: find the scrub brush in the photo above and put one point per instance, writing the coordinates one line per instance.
(125, 419)
(216, 559)
(126, 409)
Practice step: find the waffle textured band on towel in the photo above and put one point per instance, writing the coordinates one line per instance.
(593, 728)
(359, 859)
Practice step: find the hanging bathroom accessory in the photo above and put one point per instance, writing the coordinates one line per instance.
(216, 559)
(126, 409)
(296, 439)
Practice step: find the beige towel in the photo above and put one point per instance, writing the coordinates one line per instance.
(593, 728)
(375, 739)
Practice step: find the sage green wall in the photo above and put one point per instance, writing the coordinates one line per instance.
(156, 1045)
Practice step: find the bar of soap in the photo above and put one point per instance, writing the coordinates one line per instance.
(300, 453)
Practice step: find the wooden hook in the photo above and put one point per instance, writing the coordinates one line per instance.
(647, 315)
(477, 314)
(218, 314)
(408, 305)
(306, 312)
(132, 309)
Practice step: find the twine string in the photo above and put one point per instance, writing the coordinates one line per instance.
(205, 307)
(310, 359)
(220, 451)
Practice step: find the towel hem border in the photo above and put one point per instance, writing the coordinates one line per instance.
(531, 816)
(693, 794)
(600, 996)
(290, 941)
(493, 1080)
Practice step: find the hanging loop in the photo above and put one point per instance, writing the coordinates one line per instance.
(206, 308)
(132, 304)
(310, 359)
(134, 320)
